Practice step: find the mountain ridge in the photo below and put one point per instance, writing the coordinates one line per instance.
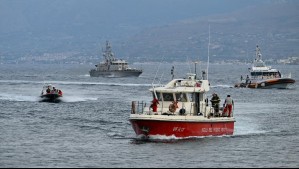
(174, 31)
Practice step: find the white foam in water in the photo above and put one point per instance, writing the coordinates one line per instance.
(163, 137)
(246, 125)
(86, 75)
(21, 81)
(77, 99)
(221, 86)
(20, 98)
(246, 128)
(172, 137)
(72, 83)
(99, 83)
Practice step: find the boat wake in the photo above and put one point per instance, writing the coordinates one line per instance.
(17, 82)
(171, 139)
(244, 131)
(222, 86)
(27, 98)
(78, 99)
(162, 138)
(19, 98)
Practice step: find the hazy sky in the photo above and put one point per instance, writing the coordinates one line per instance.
(38, 15)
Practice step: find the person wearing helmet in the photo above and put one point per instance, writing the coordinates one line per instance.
(215, 103)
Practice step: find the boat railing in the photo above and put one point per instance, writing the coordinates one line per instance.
(137, 106)
(205, 110)
(141, 107)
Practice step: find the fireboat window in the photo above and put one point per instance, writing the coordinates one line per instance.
(190, 97)
(181, 97)
(263, 73)
(168, 96)
(158, 96)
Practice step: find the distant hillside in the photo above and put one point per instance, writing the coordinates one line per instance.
(274, 27)
(146, 30)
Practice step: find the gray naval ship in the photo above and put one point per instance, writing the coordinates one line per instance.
(113, 67)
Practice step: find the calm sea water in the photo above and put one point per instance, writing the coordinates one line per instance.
(90, 127)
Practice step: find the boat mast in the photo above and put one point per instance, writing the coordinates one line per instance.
(208, 56)
(195, 63)
(108, 54)
(258, 53)
(172, 72)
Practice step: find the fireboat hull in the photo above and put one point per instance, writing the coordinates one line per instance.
(279, 83)
(182, 129)
(94, 73)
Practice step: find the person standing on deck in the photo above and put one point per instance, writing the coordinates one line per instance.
(48, 90)
(247, 79)
(154, 105)
(215, 102)
(229, 102)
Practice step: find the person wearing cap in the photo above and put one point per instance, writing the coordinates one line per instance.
(215, 102)
(229, 102)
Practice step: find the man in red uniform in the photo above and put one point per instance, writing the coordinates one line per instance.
(154, 105)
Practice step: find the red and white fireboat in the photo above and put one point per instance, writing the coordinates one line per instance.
(180, 109)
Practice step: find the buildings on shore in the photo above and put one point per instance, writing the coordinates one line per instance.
(289, 61)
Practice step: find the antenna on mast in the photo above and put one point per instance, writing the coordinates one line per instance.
(208, 55)
(195, 71)
(172, 72)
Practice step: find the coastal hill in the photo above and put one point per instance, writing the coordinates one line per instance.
(72, 31)
(274, 27)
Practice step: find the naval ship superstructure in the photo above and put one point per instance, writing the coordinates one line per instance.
(113, 67)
